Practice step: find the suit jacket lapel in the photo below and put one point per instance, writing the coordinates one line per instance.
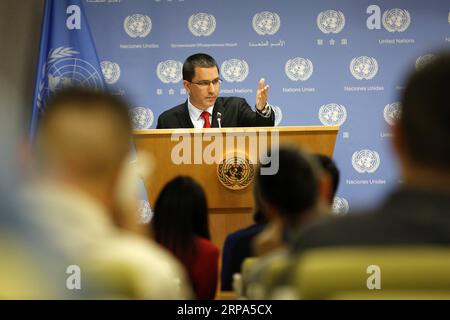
(218, 108)
(184, 118)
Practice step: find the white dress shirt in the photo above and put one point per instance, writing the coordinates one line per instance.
(196, 115)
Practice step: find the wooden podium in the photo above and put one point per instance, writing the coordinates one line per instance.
(229, 209)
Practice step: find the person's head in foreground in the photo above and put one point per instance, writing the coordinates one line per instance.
(290, 194)
(421, 136)
(83, 142)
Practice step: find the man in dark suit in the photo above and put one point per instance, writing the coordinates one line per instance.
(205, 109)
(418, 212)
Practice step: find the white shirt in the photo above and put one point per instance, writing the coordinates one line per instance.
(196, 115)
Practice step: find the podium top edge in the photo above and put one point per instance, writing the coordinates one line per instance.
(238, 130)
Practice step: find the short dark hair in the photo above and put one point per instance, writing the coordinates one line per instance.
(329, 166)
(88, 100)
(200, 60)
(294, 188)
(180, 214)
(425, 114)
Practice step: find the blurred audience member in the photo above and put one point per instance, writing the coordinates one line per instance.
(418, 212)
(82, 150)
(237, 248)
(180, 223)
(30, 268)
(289, 198)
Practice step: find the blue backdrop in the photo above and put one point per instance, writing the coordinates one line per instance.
(327, 62)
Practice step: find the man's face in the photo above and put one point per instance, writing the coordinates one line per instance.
(202, 92)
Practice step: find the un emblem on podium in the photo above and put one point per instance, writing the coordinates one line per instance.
(169, 71)
(299, 69)
(234, 70)
(236, 172)
(202, 24)
(111, 71)
(266, 23)
(366, 161)
(332, 114)
(141, 118)
(137, 25)
(364, 67)
(392, 113)
(331, 21)
(396, 20)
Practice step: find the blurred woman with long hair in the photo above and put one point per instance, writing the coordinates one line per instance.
(180, 224)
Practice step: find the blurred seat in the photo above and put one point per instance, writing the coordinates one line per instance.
(347, 273)
(273, 278)
(240, 280)
(20, 276)
(261, 278)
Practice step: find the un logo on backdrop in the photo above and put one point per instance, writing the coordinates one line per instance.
(145, 212)
(332, 114)
(64, 70)
(111, 71)
(331, 21)
(396, 20)
(299, 69)
(364, 67)
(137, 25)
(278, 115)
(141, 118)
(423, 60)
(266, 23)
(169, 71)
(202, 24)
(392, 113)
(234, 70)
(366, 161)
(340, 206)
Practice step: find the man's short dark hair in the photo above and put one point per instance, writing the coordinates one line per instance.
(329, 166)
(294, 188)
(425, 115)
(88, 100)
(199, 60)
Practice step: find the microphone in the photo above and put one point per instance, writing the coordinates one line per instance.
(219, 115)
